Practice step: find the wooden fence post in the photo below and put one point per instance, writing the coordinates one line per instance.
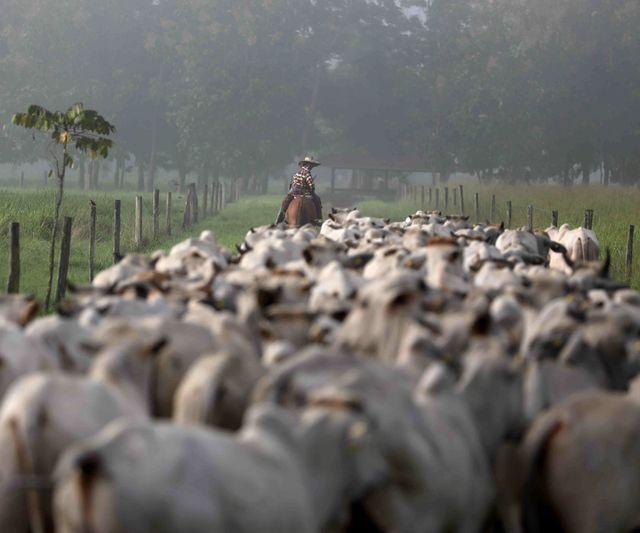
(205, 200)
(588, 218)
(629, 262)
(155, 212)
(437, 198)
(92, 240)
(63, 264)
(530, 217)
(461, 199)
(13, 284)
(168, 214)
(186, 217)
(493, 209)
(137, 237)
(116, 231)
(214, 197)
(430, 196)
(194, 203)
(446, 198)
(509, 213)
(414, 194)
(554, 219)
(22, 179)
(476, 206)
(455, 197)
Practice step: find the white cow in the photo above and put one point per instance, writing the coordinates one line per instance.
(41, 416)
(216, 390)
(582, 246)
(279, 474)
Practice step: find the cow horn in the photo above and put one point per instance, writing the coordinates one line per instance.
(604, 271)
(532, 259)
(610, 284)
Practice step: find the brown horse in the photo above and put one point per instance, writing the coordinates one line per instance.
(301, 211)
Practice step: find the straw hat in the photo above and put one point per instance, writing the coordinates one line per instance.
(308, 160)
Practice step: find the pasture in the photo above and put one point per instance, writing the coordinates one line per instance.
(614, 209)
(380, 377)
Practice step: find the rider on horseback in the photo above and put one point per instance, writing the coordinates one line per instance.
(302, 183)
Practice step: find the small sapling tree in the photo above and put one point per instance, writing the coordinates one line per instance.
(77, 127)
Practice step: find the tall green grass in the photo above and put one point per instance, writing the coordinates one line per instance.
(614, 209)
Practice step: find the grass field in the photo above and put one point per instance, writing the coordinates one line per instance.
(614, 209)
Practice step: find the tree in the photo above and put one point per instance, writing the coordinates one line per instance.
(77, 127)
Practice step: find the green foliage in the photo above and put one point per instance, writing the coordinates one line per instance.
(84, 129)
(503, 89)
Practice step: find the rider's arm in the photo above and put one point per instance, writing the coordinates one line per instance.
(310, 182)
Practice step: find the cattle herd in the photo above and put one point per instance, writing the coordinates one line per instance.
(428, 375)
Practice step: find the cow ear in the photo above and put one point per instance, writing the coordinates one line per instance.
(29, 312)
(157, 346)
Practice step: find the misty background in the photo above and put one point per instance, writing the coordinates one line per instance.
(507, 90)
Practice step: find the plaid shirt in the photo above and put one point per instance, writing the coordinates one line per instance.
(302, 180)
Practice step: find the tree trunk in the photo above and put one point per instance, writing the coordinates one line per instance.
(586, 172)
(54, 235)
(89, 179)
(606, 166)
(116, 173)
(122, 171)
(140, 175)
(312, 107)
(82, 170)
(182, 169)
(151, 182)
(96, 178)
(202, 176)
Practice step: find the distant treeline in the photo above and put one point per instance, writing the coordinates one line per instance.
(508, 89)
